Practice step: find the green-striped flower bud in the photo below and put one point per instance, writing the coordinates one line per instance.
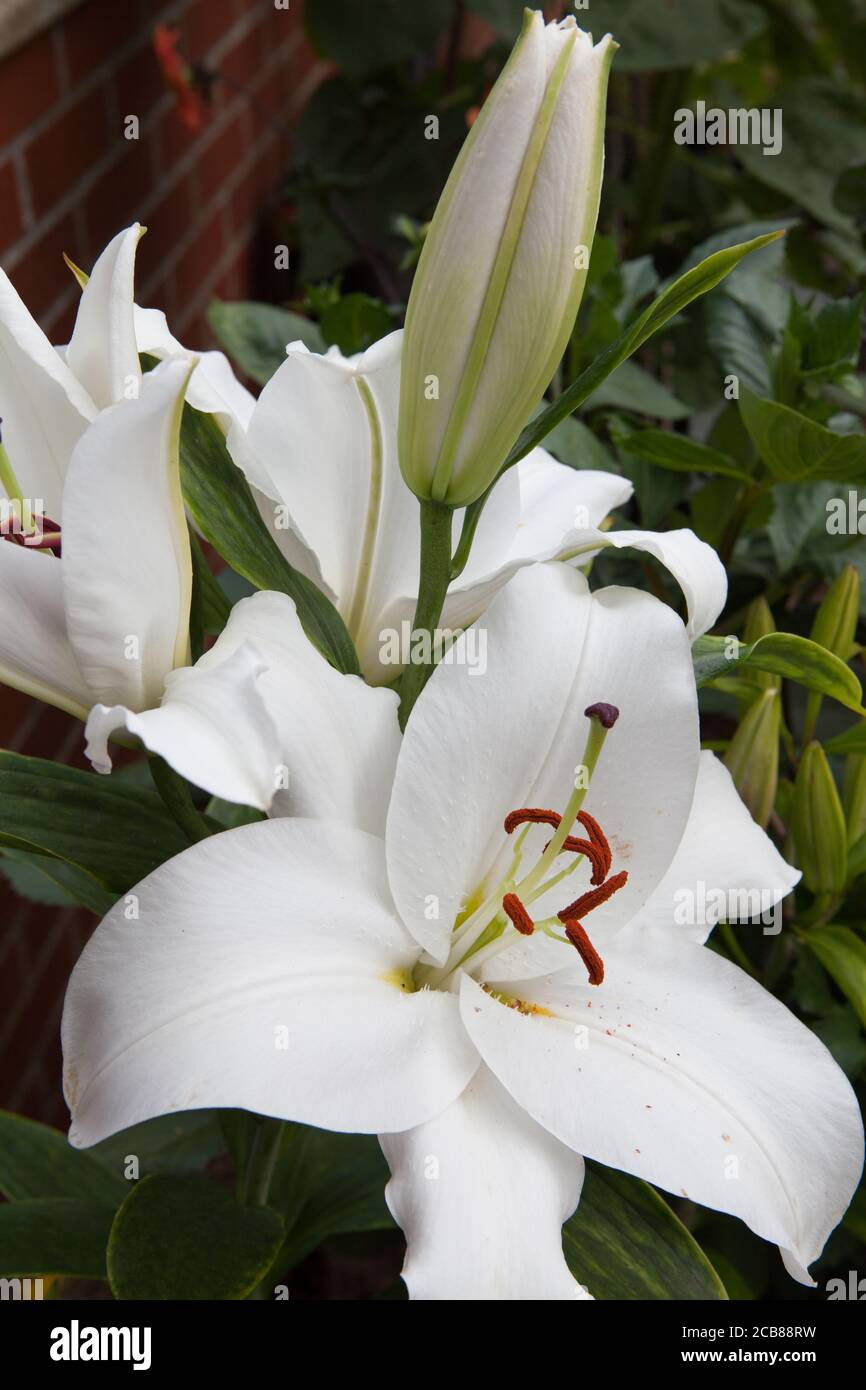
(502, 271)
(835, 628)
(818, 823)
(753, 755)
(854, 797)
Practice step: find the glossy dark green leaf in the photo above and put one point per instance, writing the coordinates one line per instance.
(843, 955)
(631, 388)
(658, 34)
(697, 281)
(38, 1161)
(54, 1236)
(624, 1242)
(43, 879)
(792, 446)
(354, 322)
(853, 740)
(255, 336)
(114, 831)
(209, 607)
(222, 506)
(180, 1143)
(677, 452)
(181, 1238)
(325, 1184)
(784, 654)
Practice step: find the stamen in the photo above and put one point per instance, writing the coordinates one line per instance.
(597, 835)
(520, 918)
(587, 952)
(587, 901)
(594, 853)
(533, 814)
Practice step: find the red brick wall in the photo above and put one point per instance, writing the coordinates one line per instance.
(69, 180)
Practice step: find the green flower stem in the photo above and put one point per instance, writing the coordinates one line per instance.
(262, 1160)
(432, 586)
(175, 792)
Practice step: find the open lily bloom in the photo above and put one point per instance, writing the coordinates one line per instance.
(320, 451)
(499, 981)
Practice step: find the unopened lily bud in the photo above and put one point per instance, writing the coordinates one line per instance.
(759, 622)
(753, 755)
(854, 796)
(835, 624)
(818, 823)
(502, 271)
(835, 628)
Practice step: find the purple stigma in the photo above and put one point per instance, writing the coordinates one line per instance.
(607, 715)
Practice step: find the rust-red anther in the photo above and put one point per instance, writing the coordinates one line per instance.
(597, 835)
(594, 853)
(594, 898)
(587, 952)
(520, 918)
(533, 814)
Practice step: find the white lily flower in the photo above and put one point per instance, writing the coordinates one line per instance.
(504, 263)
(320, 452)
(305, 969)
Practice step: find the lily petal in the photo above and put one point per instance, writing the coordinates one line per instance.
(694, 565)
(723, 855)
(212, 727)
(102, 351)
(44, 409)
(35, 653)
(481, 1193)
(683, 1070)
(265, 970)
(513, 737)
(127, 573)
(213, 386)
(339, 739)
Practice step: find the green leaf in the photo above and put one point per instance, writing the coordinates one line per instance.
(255, 335)
(327, 1183)
(222, 506)
(785, 654)
(183, 1142)
(37, 1161)
(823, 136)
(54, 1236)
(114, 831)
(679, 453)
(574, 443)
(354, 322)
(843, 955)
(209, 606)
(181, 1238)
(793, 446)
(624, 1242)
(631, 388)
(853, 740)
(42, 879)
(658, 34)
(362, 41)
(231, 813)
(799, 519)
(673, 299)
